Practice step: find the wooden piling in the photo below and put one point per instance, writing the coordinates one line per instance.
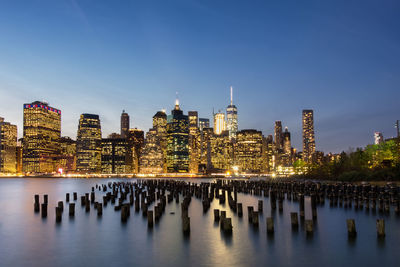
(71, 209)
(67, 197)
(240, 209)
(380, 228)
(351, 228)
(260, 206)
(309, 227)
(270, 225)
(99, 209)
(58, 214)
(294, 219)
(216, 215)
(150, 218)
(44, 210)
(186, 225)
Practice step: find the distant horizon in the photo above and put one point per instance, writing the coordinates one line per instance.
(339, 58)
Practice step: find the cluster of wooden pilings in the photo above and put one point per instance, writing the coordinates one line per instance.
(142, 194)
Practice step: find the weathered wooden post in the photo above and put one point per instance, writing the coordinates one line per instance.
(313, 207)
(61, 205)
(270, 225)
(150, 220)
(280, 204)
(92, 197)
(46, 199)
(227, 225)
(255, 218)
(83, 199)
(67, 197)
(351, 228)
(250, 213)
(294, 219)
(58, 214)
(99, 209)
(75, 196)
(301, 205)
(71, 209)
(186, 225)
(309, 227)
(87, 205)
(36, 206)
(240, 209)
(124, 213)
(380, 228)
(260, 206)
(44, 210)
(216, 215)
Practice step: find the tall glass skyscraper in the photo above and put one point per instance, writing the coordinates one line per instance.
(219, 123)
(124, 124)
(308, 135)
(8, 147)
(177, 141)
(88, 144)
(232, 118)
(42, 131)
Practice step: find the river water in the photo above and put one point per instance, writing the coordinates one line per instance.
(87, 240)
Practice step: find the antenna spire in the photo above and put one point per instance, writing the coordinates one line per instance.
(231, 95)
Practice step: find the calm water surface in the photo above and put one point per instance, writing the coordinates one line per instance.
(86, 240)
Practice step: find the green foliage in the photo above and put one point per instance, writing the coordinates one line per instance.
(375, 162)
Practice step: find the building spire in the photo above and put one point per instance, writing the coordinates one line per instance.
(231, 95)
(177, 102)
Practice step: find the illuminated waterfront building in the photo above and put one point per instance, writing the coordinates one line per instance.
(205, 149)
(115, 155)
(152, 157)
(41, 133)
(203, 123)
(232, 118)
(19, 155)
(268, 151)
(194, 142)
(378, 138)
(88, 144)
(249, 154)
(308, 135)
(67, 158)
(8, 147)
(221, 152)
(177, 141)
(219, 123)
(278, 135)
(135, 142)
(124, 124)
(160, 126)
(287, 145)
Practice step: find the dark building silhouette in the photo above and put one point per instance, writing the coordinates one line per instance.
(124, 124)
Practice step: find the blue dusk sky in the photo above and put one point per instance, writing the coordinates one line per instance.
(340, 58)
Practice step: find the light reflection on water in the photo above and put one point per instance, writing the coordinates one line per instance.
(86, 240)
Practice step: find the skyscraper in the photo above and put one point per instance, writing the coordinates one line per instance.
(287, 145)
(219, 122)
(152, 156)
(88, 144)
(249, 155)
(42, 131)
(194, 142)
(232, 119)
(135, 142)
(160, 126)
(204, 123)
(8, 147)
(278, 135)
(378, 138)
(114, 156)
(124, 124)
(177, 141)
(308, 135)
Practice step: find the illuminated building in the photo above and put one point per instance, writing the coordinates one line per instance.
(8, 147)
(42, 131)
(160, 126)
(135, 142)
(19, 155)
(124, 124)
(287, 145)
(152, 157)
(278, 135)
(268, 150)
(67, 158)
(378, 138)
(114, 156)
(308, 135)
(205, 149)
(203, 123)
(177, 141)
(232, 118)
(194, 142)
(249, 151)
(221, 152)
(219, 123)
(88, 144)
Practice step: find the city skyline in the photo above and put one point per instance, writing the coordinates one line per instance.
(136, 56)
